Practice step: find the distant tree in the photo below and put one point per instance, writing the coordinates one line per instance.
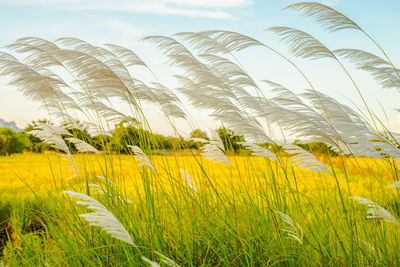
(130, 135)
(102, 142)
(316, 147)
(158, 141)
(197, 133)
(230, 139)
(272, 147)
(11, 142)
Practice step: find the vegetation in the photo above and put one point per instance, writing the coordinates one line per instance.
(11, 142)
(285, 204)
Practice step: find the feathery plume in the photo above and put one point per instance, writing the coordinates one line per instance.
(304, 159)
(232, 41)
(250, 128)
(361, 58)
(51, 135)
(293, 230)
(368, 245)
(128, 57)
(142, 157)
(82, 146)
(328, 17)
(102, 217)
(150, 262)
(259, 151)
(302, 44)
(375, 211)
(214, 150)
(189, 181)
(396, 184)
(166, 260)
(382, 70)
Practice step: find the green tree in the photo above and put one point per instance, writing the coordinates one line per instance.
(230, 139)
(316, 147)
(130, 135)
(197, 133)
(11, 142)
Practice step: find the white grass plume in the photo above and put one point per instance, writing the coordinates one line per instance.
(189, 181)
(375, 211)
(164, 259)
(328, 17)
(368, 245)
(150, 262)
(302, 44)
(304, 159)
(361, 58)
(293, 230)
(142, 157)
(82, 146)
(382, 70)
(247, 126)
(52, 135)
(214, 150)
(128, 57)
(107, 181)
(102, 217)
(231, 41)
(396, 184)
(259, 151)
(201, 42)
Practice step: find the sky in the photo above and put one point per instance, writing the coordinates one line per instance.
(125, 22)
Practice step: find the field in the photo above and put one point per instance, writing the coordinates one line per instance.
(44, 173)
(232, 213)
(291, 177)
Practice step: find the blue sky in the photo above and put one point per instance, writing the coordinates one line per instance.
(125, 22)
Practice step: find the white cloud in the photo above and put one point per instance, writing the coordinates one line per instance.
(210, 3)
(188, 8)
(325, 2)
(329, 2)
(104, 30)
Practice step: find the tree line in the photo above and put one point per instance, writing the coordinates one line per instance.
(12, 142)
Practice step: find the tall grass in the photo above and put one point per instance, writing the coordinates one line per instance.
(291, 208)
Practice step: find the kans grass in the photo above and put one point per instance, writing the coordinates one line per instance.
(154, 208)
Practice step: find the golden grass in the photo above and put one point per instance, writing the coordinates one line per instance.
(49, 172)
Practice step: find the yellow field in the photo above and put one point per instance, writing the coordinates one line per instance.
(20, 174)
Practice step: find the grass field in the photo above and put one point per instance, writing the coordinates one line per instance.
(45, 173)
(230, 221)
(208, 203)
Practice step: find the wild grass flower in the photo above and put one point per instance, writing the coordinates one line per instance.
(293, 230)
(375, 211)
(142, 157)
(102, 217)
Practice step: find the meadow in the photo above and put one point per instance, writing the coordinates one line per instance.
(231, 219)
(125, 200)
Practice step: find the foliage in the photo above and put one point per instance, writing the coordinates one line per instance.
(197, 133)
(11, 142)
(230, 139)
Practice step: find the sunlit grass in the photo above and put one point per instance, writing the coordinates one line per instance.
(232, 213)
(47, 172)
